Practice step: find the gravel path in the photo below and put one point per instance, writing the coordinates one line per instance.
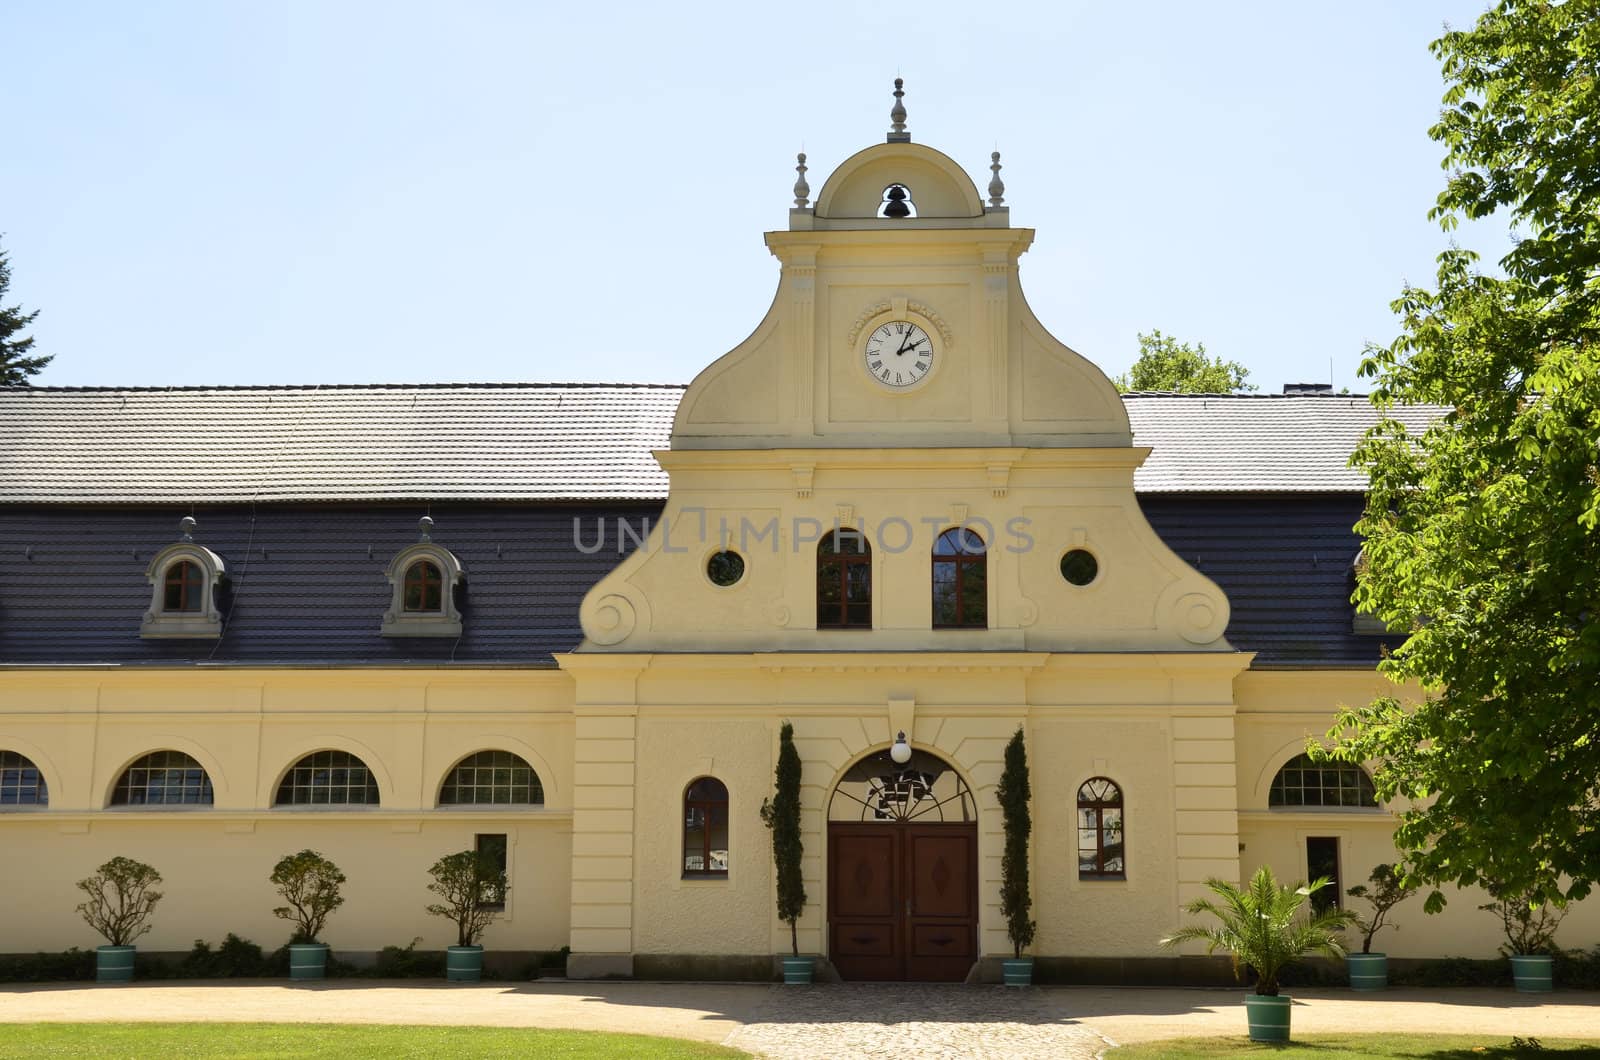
(868, 1021)
(834, 1022)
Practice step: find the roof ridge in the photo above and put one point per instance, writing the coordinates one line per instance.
(313, 387)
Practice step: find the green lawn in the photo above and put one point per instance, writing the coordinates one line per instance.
(1356, 1046)
(274, 1040)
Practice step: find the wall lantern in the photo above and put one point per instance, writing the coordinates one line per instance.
(901, 751)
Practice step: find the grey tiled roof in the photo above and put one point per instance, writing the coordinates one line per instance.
(533, 442)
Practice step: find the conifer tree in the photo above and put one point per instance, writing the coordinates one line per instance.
(15, 364)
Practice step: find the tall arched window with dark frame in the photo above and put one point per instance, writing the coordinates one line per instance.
(705, 829)
(844, 581)
(1102, 843)
(960, 580)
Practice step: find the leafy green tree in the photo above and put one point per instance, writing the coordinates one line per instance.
(15, 364)
(1016, 901)
(310, 884)
(122, 898)
(472, 885)
(1166, 364)
(1483, 532)
(782, 815)
(1260, 926)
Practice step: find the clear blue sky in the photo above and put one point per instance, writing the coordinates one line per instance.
(342, 192)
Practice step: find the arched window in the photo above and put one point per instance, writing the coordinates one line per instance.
(183, 586)
(163, 778)
(328, 778)
(960, 580)
(844, 581)
(1340, 785)
(705, 828)
(423, 589)
(424, 579)
(184, 579)
(20, 782)
(492, 778)
(1101, 845)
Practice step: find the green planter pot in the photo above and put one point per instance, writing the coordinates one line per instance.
(113, 964)
(1533, 973)
(1368, 971)
(797, 971)
(463, 964)
(1017, 971)
(308, 960)
(1268, 1016)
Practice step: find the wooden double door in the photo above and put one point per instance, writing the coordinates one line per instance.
(902, 900)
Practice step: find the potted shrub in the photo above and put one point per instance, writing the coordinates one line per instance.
(121, 901)
(1530, 937)
(1368, 970)
(1262, 926)
(467, 882)
(310, 884)
(1015, 900)
(781, 813)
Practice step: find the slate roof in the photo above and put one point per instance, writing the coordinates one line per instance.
(533, 442)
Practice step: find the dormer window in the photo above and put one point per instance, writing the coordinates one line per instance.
(184, 578)
(423, 578)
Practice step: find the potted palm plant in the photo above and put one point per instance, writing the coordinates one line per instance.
(781, 813)
(1368, 970)
(310, 884)
(1261, 926)
(1015, 900)
(1530, 936)
(471, 884)
(121, 901)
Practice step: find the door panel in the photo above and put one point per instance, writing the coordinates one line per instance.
(941, 903)
(902, 900)
(864, 932)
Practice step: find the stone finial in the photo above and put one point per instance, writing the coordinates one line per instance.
(897, 116)
(997, 187)
(186, 527)
(802, 190)
(425, 528)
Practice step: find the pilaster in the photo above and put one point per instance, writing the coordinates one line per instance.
(1205, 801)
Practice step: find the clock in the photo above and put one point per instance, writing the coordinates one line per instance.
(898, 354)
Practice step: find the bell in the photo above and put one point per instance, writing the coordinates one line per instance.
(897, 207)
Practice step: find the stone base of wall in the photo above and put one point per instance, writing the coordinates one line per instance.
(600, 966)
(1118, 971)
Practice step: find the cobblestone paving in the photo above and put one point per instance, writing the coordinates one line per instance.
(868, 1021)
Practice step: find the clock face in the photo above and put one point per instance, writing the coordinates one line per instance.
(898, 354)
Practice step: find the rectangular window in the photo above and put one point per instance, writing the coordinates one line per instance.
(1322, 859)
(495, 846)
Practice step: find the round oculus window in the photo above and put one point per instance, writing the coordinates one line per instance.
(725, 568)
(1079, 567)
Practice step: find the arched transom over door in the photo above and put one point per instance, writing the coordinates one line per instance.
(902, 871)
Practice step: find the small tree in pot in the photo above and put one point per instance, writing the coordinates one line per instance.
(781, 813)
(1368, 970)
(121, 901)
(472, 886)
(310, 884)
(1261, 926)
(1530, 937)
(1016, 901)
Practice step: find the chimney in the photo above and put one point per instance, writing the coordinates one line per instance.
(1307, 389)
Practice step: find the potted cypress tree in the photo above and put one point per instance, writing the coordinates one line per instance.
(1368, 970)
(1261, 926)
(1530, 936)
(121, 901)
(310, 884)
(781, 813)
(1015, 900)
(466, 881)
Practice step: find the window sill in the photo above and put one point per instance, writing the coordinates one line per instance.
(421, 626)
(704, 877)
(1103, 878)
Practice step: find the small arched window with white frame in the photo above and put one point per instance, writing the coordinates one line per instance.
(423, 579)
(184, 579)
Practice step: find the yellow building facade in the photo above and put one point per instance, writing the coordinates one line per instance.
(900, 509)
